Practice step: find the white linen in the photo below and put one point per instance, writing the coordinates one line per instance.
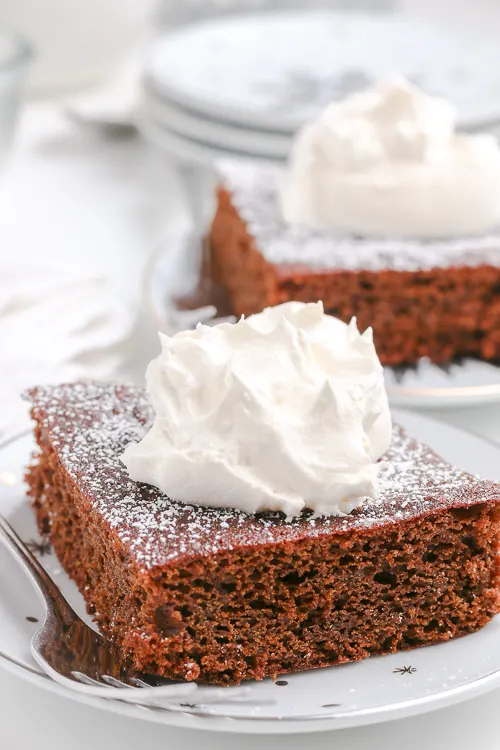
(54, 326)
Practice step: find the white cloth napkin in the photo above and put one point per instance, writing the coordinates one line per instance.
(55, 327)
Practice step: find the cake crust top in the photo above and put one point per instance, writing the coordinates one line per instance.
(255, 190)
(88, 425)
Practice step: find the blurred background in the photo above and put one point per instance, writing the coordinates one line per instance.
(113, 115)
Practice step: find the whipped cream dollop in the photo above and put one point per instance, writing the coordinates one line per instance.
(283, 410)
(388, 162)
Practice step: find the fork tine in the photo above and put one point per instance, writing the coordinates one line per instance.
(134, 682)
(113, 682)
(139, 683)
(86, 680)
(130, 692)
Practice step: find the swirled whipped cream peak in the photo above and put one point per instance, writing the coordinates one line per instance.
(282, 411)
(388, 162)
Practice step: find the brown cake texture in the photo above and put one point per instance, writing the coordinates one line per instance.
(435, 299)
(220, 596)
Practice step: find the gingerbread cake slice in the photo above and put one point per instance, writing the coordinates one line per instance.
(432, 298)
(221, 596)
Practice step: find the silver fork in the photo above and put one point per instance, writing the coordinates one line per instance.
(73, 654)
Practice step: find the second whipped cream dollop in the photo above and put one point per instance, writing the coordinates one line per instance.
(284, 410)
(388, 162)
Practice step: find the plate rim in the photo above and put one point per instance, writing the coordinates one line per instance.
(340, 720)
(348, 720)
(266, 121)
(177, 120)
(453, 396)
(185, 147)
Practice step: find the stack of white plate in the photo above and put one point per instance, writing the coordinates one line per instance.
(242, 85)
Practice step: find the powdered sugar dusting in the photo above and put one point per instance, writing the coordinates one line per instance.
(90, 424)
(255, 191)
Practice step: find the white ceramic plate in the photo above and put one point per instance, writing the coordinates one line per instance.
(470, 383)
(374, 690)
(189, 149)
(276, 70)
(185, 124)
(172, 272)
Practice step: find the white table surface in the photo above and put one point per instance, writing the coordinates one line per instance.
(84, 202)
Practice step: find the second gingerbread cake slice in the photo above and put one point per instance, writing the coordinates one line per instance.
(437, 299)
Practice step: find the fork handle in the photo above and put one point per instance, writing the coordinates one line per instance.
(49, 592)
